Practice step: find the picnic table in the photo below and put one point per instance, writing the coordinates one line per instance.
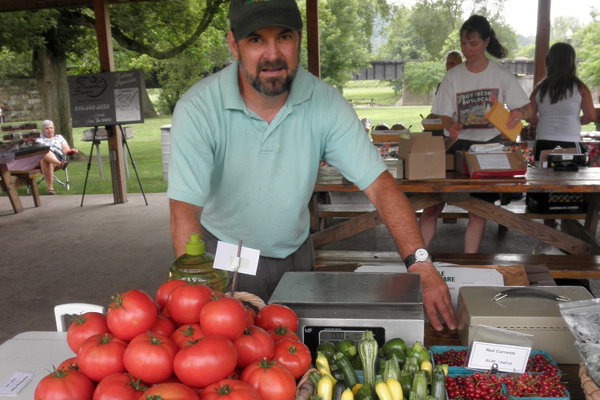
(10, 178)
(456, 190)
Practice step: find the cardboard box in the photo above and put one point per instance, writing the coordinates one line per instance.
(460, 164)
(395, 167)
(449, 162)
(423, 156)
(432, 124)
(526, 313)
(388, 136)
(495, 165)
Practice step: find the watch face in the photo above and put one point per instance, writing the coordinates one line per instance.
(421, 255)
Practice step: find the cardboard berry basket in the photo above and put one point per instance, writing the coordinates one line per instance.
(590, 389)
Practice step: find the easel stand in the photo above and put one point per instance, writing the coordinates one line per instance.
(87, 173)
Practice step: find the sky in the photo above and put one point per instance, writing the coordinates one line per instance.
(522, 14)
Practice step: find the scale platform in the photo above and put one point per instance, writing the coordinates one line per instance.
(332, 306)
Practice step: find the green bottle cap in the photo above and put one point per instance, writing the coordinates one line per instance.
(195, 246)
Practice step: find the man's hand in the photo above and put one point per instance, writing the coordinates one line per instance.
(436, 296)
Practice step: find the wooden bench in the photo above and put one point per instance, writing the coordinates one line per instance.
(27, 179)
(560, 267)
(449, 212)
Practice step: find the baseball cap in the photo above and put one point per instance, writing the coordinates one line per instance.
(245, 16)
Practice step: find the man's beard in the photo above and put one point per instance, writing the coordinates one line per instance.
(273, 86)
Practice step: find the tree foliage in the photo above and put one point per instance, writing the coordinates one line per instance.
(423, 77)
(430, 28)
(588, 50)
(345, 29)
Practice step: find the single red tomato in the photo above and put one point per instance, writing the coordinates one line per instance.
(224, 316)
(254, 344)
(170, 391)
(271, 380)
(293, 355)
(275, 315)
(164, 290)
(64, 384)
(229, 389)
(131, 313)
(282, 332)
(119, 386)
(69, 363)
(163, 325)
(250, 316)
(208, 361)
(186, 302)
(84, 326)
(187, 334)
(149, 357)
(101, 355)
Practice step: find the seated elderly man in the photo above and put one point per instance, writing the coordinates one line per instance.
(55, 158)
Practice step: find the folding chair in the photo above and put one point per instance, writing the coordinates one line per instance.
(55, 178)
(63, 310)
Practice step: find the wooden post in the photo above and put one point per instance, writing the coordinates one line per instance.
(312, 37)
(542, 40)
(115, 136)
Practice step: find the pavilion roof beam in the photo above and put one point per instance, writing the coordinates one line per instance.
(27, 5)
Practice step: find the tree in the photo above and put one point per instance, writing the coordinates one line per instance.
(345, 30)
(160, 29)
(423, 77)
(588, 50)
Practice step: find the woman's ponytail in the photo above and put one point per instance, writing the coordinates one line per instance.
(494, 47)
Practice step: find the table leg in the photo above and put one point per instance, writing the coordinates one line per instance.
(368, 221)
(522, 224)
(9, 187)
(99, 159)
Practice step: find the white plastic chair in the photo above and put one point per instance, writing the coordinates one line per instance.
(62, 310)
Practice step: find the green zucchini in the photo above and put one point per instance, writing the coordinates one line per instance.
(347, 370)
(438, 384)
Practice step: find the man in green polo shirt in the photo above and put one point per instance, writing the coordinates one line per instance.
(246, 144)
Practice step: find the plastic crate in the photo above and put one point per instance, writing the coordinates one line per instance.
(556, 203)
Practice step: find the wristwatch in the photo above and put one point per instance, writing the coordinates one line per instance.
(419, 255)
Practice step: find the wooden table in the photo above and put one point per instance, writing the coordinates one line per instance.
(6, 181)
(456, 190)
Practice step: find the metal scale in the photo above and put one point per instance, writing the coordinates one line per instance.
(332, 306)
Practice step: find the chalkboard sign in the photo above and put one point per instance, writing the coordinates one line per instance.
(107, 98)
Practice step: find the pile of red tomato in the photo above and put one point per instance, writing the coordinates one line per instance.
(188, 343)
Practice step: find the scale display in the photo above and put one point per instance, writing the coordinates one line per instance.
(315, 335)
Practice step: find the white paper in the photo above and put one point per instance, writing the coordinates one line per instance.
(493, 161)
(15, 383)
(457, 277)
(508, 358)
(226, 254)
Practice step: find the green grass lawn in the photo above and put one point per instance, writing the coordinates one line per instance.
(145, 145)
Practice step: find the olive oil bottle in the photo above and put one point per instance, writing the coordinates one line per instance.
(196, 266)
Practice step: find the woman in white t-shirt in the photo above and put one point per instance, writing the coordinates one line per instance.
(465, 94)
(561, 103)
(55, 158)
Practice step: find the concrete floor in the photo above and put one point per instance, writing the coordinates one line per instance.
(62, 253)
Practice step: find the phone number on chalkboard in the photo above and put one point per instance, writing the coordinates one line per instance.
(92, 107)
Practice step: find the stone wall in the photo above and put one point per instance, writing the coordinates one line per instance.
(20, 99)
